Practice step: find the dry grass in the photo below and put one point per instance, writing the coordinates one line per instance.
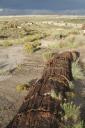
(72, 112)
(31, 47)
(77, 71)
(21, 87)
(47, 55)
(70, 41)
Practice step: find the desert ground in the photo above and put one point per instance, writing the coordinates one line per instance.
(26, 43)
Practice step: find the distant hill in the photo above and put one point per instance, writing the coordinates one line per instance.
(5, 12)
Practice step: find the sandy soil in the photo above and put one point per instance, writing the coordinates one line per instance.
(30, 67)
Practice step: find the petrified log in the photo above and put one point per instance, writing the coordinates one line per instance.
(40, 108)
(60, 66)
(38, 112)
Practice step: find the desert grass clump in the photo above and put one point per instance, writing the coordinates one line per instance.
(63, 44)
(31, 47)
(47, 55)
(71, 111)
(77, 71)
(71, 41)
(7, 43)
(73, 32)
(72, 114)
(34, 37)
(28, 47)
(21, 87)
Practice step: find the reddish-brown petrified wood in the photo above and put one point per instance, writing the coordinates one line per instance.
(42, 106)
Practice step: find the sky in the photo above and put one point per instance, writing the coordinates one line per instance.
(43, 4)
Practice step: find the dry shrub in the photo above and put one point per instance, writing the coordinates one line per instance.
(31, 47)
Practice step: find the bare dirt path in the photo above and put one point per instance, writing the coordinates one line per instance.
(30, 67)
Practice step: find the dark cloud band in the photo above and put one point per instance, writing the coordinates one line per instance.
(43, 4)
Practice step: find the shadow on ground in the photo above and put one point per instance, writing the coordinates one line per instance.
(80, 96)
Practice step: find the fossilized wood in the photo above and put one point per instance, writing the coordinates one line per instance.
(60, 66)
(40, 109)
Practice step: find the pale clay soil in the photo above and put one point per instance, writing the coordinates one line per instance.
(28, 67)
